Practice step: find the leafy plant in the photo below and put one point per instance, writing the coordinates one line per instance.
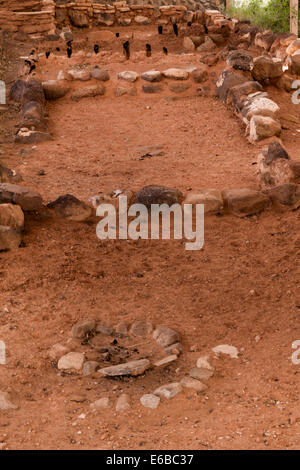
(274, 15)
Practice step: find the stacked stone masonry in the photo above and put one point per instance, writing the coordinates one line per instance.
(28, 16)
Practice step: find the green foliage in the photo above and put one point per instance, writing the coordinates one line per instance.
(274, 15)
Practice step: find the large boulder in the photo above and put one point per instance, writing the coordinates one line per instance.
(27, 199)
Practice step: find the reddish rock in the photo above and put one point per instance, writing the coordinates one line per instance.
(245, 202)
(286, 194)
(27, 199)
(69, 207)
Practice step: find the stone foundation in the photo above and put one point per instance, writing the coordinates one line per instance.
(28, 16)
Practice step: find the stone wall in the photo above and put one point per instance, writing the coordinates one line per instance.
(83, 13)
(29, 16)
(43, 16)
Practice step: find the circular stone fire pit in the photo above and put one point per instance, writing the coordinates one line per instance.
(119, 351)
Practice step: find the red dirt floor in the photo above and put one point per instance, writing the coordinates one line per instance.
(241, 289)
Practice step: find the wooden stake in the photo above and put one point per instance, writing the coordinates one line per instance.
(294, 12)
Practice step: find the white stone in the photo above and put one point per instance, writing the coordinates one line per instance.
(189, 382)
(262, 107)
(166, 360)
(203, 362)
(101, 403)
(231, 351)
(128, 76)
(82, 75)
(149, 400)
(169, 390)
(261, 127)
(72, 360)
(176, 74)
(123, 403)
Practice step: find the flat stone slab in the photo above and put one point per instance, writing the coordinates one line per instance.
(88, 92)
(100, 404)
(141, 328)
(231, 351)
(189, 382)
(81, 328)
(169, 390)
(128, 368)
(165, 336)
(200, 373)
(203, 362)
(72, 360)
(176, 74)
(123, 403)
(89, 367)
(149, 400)
(166, 361)
(104, 329)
